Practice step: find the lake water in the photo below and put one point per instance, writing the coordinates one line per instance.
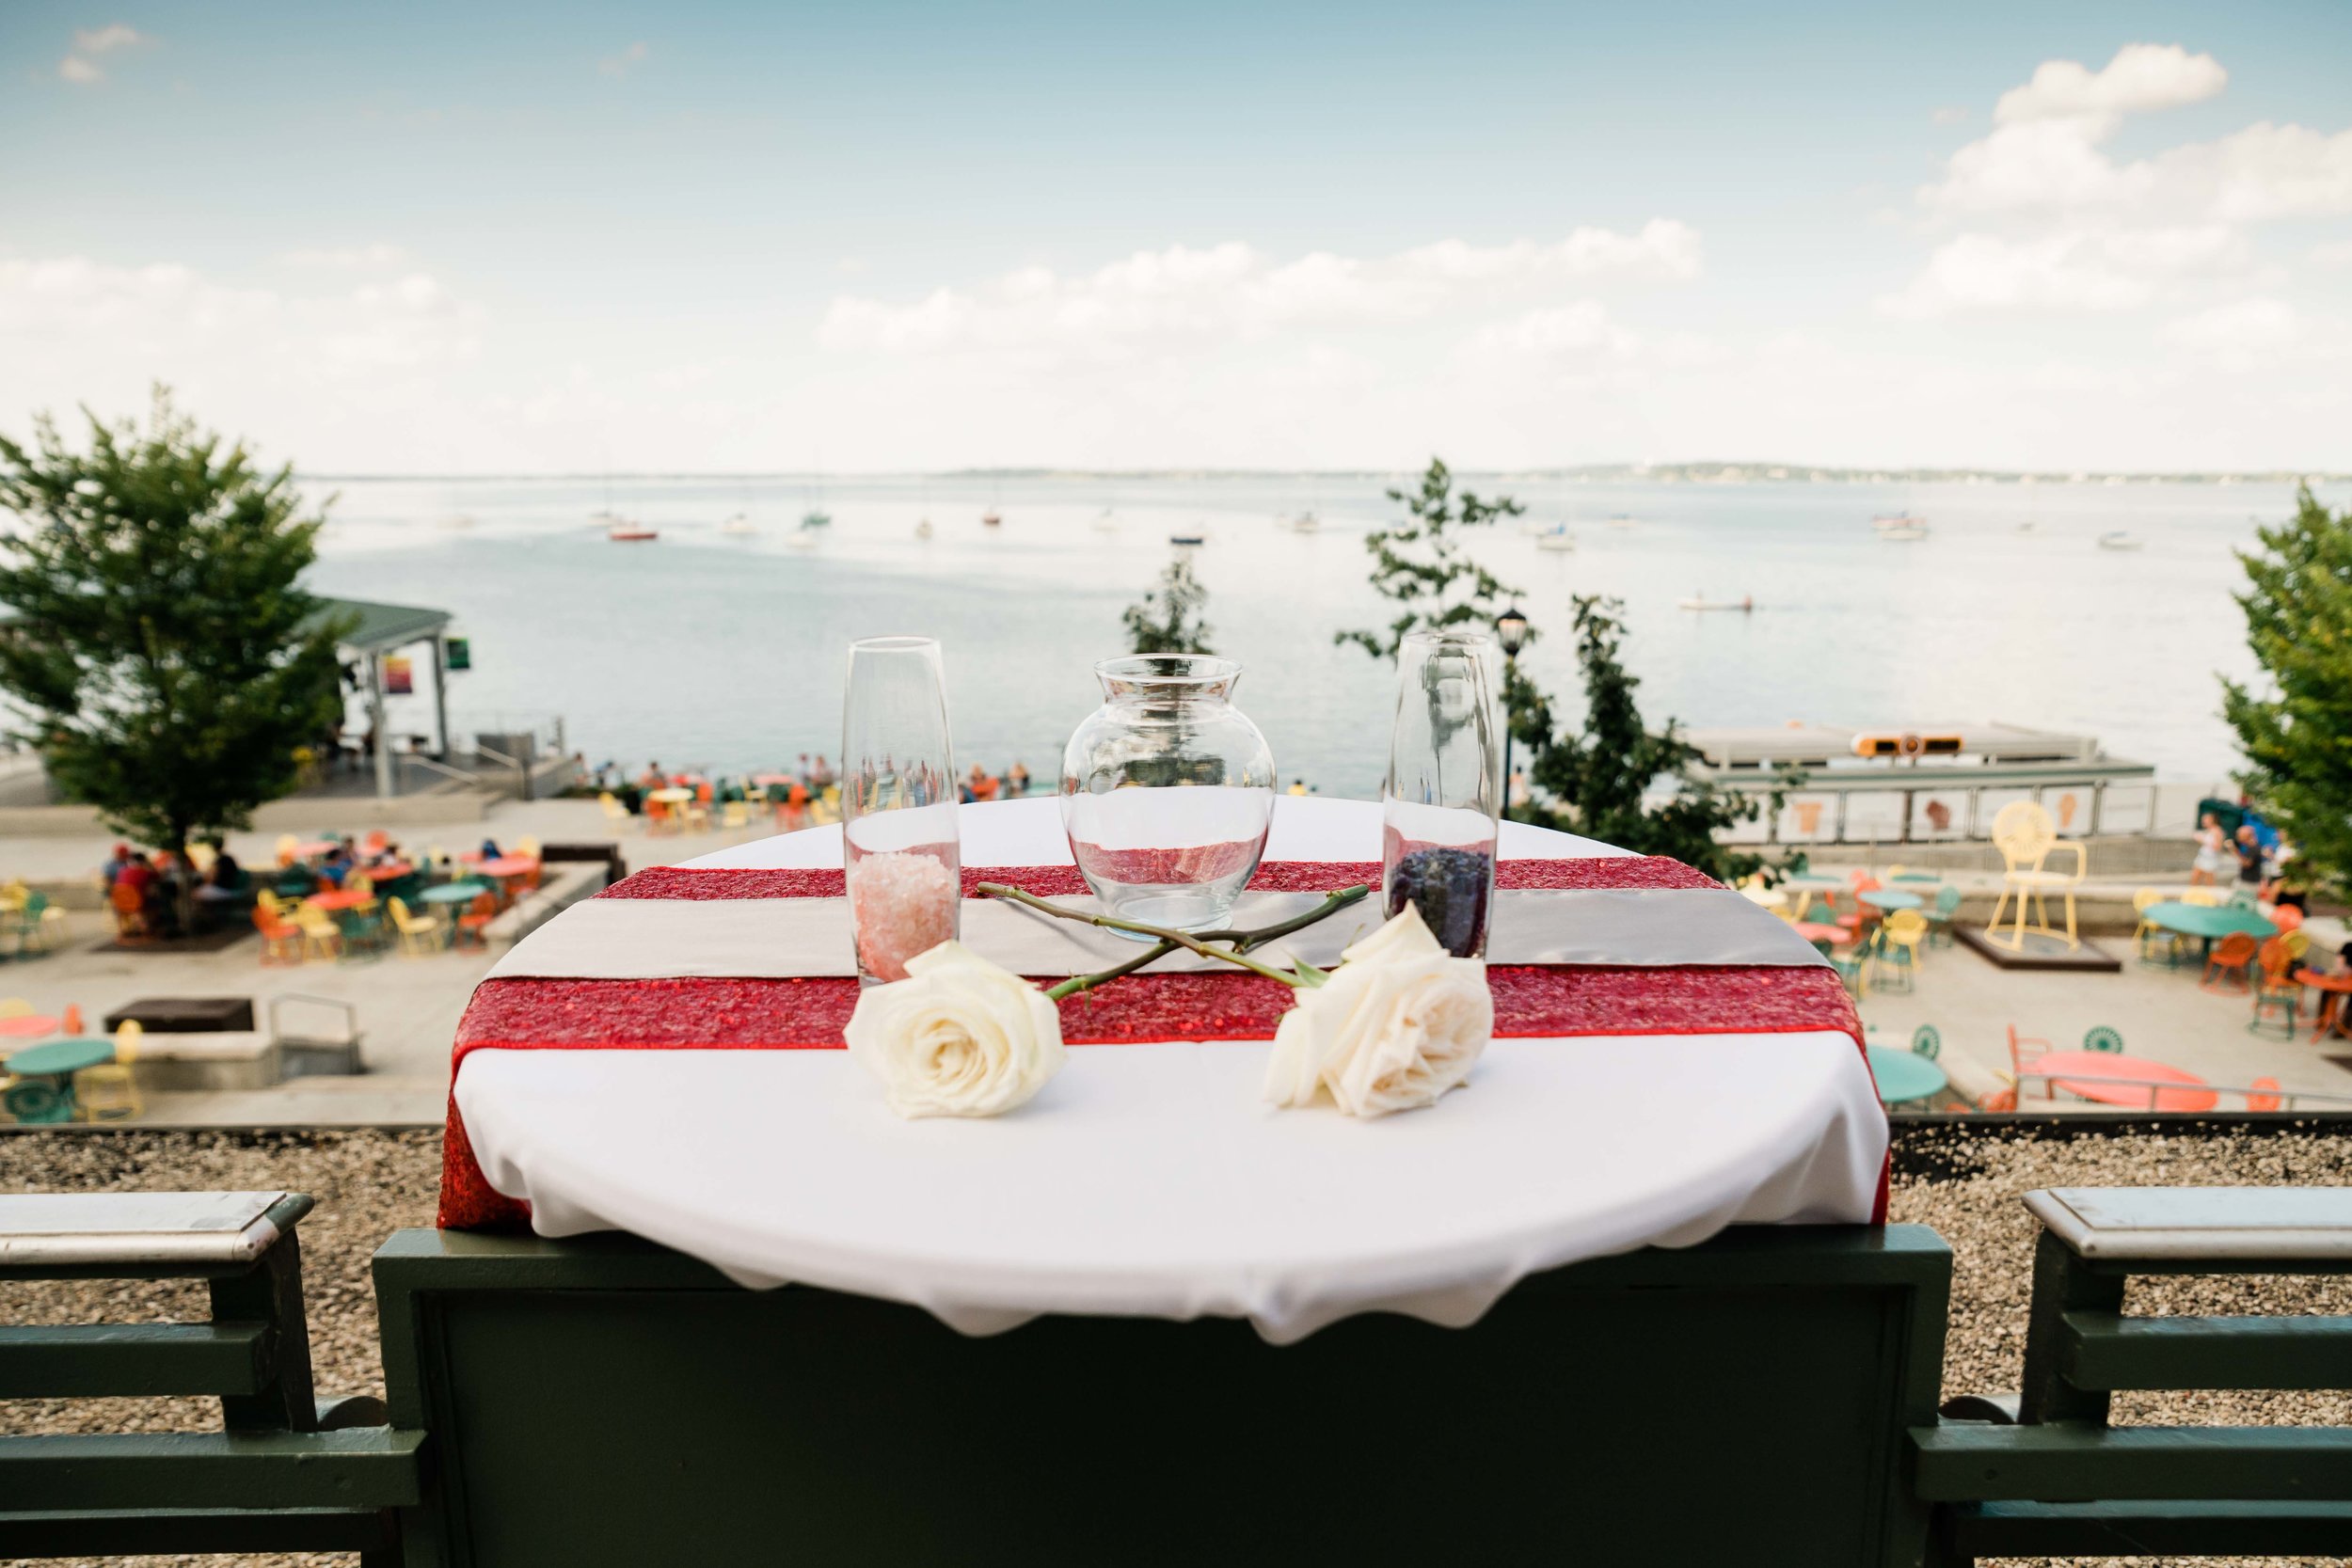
(727, 652)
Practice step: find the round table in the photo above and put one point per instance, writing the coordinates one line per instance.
(56, 1058)
(1152, 1179)
(2334, 1011)
(2210, 921)
(391, 871)
(27, 1026)
(1886, 899)
(1765, 897)
(453, 892)
(312, 849)
(2086, 1074)
(506, 866)
(340, 899)
(1820, 935)
(1904, 1075)
(1914, 877)
(671, 796)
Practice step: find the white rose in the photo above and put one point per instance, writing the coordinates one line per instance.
(958, 1037)
(1399, 1023)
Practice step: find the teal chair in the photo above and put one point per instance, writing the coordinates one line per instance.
(1926, 1042)
(2101, 1037)
(1941, 914)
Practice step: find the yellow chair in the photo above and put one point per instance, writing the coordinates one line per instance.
(735, 814)
(321, 937)
(1894, 871)
(202, 856)
(2146, 933)
(266, 901)
(1900, 933)
(2296, 943)
(109, 1091)
(527, 847)
(614, 812)
(2203, 897)
(15, 1007)
(2027, 838)
(287, 843)
(54, 927)
(415, 929)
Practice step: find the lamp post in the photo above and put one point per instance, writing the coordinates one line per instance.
(1511, 633)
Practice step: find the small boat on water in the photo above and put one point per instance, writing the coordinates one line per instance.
(1187, 540)
(1306, 522)
(1903, 533)
(1893, 522)
(1624, 519)
(817, 518)
(1700, 601)
(992, 519)
(1106, 521)
(804, 539)
(622, 531)
(1556, 538)
(923, 528)
(739, 527)
(2120, 539)
(457, 521)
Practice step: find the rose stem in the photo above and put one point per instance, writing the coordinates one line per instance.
(1077, 983)
(1243, 940)
(997, 890)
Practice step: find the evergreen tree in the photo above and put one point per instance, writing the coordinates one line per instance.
(2298, 737)
(166, 659)
(1595, 782)
(1422, 566)
(1166, 620)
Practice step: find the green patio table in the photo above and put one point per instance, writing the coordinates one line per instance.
(1904, 1075)
(2210, 921)
(1887, 899)
(44, 1093)
(1914, 877)
(453, 892)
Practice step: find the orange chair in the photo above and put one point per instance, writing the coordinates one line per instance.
(376, 842)
(2278, 991)
(2286, 916)
(475, 923)
(2229, 959)
(2263, 1095)
(130, 913)
(281, 939)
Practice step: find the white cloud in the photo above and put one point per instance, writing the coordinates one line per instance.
(2074, 268)
(1234, 291)
(79, 67)
(347, 257)
(621, 63)
(2141, 77)
(1951, 114)
(1582, 333)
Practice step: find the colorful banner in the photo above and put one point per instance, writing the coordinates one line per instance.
(399, 675)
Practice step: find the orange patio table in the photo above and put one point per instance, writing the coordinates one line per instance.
(2332, 990)
(2092, 1075)
(341, 898)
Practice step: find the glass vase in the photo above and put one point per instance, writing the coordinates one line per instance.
(1167, 791)
(1442, 803)
(900, 848)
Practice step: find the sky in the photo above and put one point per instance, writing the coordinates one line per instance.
(712, 238)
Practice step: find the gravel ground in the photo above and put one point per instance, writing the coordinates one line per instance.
(1962, 1180)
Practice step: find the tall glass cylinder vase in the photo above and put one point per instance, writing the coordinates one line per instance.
(900, 847)
(1442, 803)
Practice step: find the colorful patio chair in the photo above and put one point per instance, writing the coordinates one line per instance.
(2276, 989)
(420, 934)
(321, 937)
(615, 813)
(2024, 1051)
(1897, 946)
(475, 923)
(2262, 1094)
(2229, 961)
(1940, 915)
(2147, 934)
(130, 913)
(2203, 897)
(2027, 838)
(2100, 1038)
(1926, 1042)
(281, 939)
(109, 1091)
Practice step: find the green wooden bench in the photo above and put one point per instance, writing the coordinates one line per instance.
(2043, 1472)
(288, 1471)
(602, 1400)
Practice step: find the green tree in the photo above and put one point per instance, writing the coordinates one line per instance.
(1596, 782)
(2297, 735)
(1166, 620)
(1423, 565)
(166, 661)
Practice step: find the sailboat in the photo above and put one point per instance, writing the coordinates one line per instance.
(2120, 539)
(1556, 537)
(1106, 521)
(740, 526)
(1306, 522)
(992, 519)
(621, 530)
(1700, 601)
(923, 528)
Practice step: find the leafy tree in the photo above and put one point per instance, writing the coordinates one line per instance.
(167, 660)
(1422, 564)
(1166, 620)
(2298, 737)
(1594, 782)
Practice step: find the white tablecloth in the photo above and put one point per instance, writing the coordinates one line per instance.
(1152, 1180)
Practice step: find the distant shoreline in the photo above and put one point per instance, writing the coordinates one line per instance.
(1654, 473)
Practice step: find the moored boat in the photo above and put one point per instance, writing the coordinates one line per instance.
(1700, 601)
(1556, 538)
(992, 519)
(622, 531)
(2120, 539)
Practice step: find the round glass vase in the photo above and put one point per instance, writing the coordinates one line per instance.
(1167, 791)
(1442, 803)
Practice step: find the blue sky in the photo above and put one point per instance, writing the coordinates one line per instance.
(563, 237)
